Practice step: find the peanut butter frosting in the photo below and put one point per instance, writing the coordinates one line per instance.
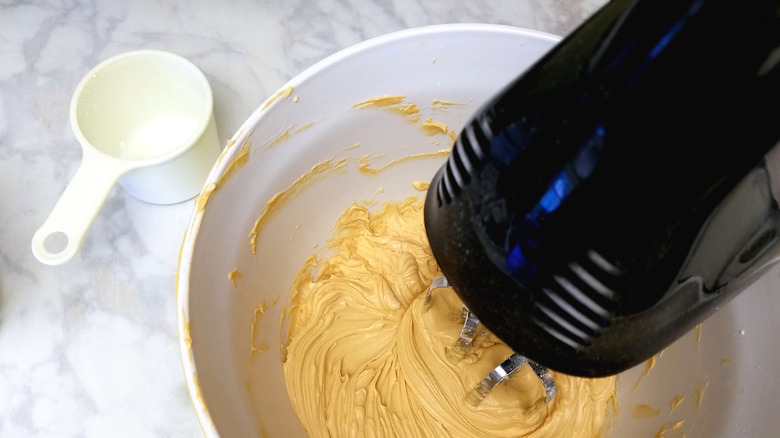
(366, 357)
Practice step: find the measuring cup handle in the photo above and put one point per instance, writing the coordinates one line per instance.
(76, 209)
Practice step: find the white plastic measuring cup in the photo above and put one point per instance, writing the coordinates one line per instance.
(143, 118)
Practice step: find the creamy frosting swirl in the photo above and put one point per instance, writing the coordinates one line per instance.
(367, 358)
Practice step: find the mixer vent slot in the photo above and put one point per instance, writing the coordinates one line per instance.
(577, 303)
(467, 156)
(559, 327)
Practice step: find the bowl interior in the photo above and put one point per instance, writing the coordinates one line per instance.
(312, 152)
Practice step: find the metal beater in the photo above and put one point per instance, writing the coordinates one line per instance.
(504, 371)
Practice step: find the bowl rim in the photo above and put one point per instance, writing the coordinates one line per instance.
(244, 131)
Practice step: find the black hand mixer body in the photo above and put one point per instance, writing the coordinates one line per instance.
(618, 192)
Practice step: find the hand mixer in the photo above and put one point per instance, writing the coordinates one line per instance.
(621, 190)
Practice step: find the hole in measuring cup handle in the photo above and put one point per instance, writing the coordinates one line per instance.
(56, 242)
(53, 247)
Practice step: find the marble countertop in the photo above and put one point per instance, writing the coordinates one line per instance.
(90, 348)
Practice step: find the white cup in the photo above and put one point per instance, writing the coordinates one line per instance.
(143, 118)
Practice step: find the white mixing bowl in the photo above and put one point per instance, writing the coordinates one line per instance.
(724, 373)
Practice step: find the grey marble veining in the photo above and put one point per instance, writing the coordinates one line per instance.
(90, 348)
